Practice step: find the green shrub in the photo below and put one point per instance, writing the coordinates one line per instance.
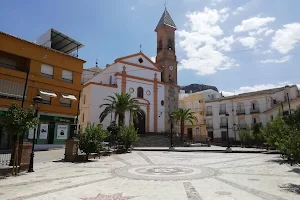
(246, 136)
(128, 136)
(91, 139)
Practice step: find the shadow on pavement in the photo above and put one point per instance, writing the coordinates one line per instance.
(290, 187)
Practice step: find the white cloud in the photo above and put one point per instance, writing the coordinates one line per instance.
(281, 60)
(202, 44)
(267, 52)
(253, 24)
(269, 32)
(249, 42)
(153, 58)
(286, 38)
(238, 10)
(132, 8)
(225, 43)
(215, 2)
(258, 32)
(255, 88)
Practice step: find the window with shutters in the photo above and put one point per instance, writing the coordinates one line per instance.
(67, 76)
(47, 71)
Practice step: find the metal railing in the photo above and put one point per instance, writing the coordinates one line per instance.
(242, 126)
(240, 111)
(208, 113)
(5, 156)
(209, 126)
(223, 125)
(256, 110)
(7, 66)
(222, 111)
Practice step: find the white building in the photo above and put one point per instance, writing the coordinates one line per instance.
(154, 85)
(135, 74)
(247, 109)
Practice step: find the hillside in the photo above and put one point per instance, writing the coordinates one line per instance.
(198, 88)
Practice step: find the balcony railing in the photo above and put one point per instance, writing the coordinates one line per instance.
(242, 126)
(223, 125)
(256, 110)
(240, 111)
(208, 113)
(209, 126)
(222, 111)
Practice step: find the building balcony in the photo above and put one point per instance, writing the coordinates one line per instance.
(208, 113)
(240, 112)
(209, 126)
(222, 112)
(223, 125)
(253, 111)
(242, 126)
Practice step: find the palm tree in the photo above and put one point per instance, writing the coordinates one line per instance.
(181, 115)
(120, 104)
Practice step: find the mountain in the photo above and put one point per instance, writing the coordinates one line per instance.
(197, 88)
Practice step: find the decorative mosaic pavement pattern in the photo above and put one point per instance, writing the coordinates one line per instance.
(161, 176)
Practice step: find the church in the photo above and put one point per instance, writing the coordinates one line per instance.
(154, 85)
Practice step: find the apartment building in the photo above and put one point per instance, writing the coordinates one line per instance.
(248, 109)
(53, 71)
(196, 103)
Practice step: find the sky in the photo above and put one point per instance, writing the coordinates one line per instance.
(236, 45)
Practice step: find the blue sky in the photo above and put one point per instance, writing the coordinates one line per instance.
(236, 45)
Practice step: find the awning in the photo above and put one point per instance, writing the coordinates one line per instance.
(69, 96)
(51, 94)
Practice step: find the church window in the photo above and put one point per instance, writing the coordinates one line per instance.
(162, 103)
(170, 44)
(140, 92)
(159, 45)
(141, 60)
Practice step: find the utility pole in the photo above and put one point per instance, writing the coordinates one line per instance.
(288, 98)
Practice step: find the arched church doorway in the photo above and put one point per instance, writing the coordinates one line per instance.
(140, 123)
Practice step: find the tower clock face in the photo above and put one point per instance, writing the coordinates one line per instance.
(171, 68)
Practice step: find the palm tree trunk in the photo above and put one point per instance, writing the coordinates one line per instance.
(182, 130)
(121, 119)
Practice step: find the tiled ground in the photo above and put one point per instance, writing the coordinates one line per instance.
(160, 175)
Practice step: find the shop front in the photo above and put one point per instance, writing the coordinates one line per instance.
(52, 130)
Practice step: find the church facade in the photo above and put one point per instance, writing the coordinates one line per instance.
(154, 85)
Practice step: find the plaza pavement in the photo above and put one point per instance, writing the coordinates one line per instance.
(147, 175)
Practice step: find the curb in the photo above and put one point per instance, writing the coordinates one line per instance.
(208, 150)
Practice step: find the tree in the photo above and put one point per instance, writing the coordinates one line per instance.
(246, 136)
(91, 139)
(258, 137)
(182, 115)
(128, 135)
(17, 122)
(120, 104)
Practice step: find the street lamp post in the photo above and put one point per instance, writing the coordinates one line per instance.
(38, 99)
(171, 132)
(228, 149)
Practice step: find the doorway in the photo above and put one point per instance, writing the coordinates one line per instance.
(140, 123)
(51, 132)
(190, 133)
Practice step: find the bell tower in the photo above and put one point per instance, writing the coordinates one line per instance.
(166, 60)
(165, 56)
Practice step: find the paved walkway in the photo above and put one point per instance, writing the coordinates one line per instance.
(212, 148)
(160, 176)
